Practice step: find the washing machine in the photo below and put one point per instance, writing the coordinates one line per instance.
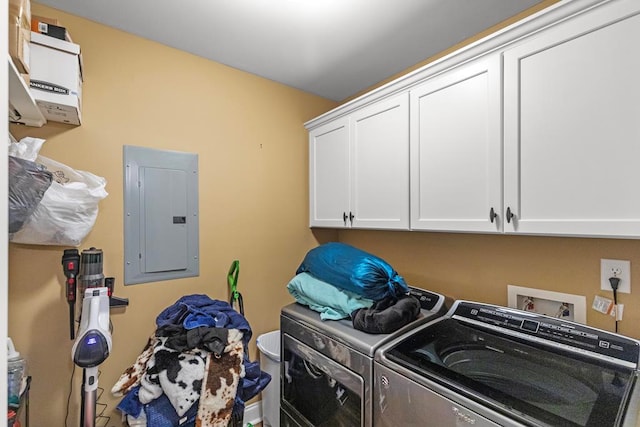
(327, 366)
(488, 366)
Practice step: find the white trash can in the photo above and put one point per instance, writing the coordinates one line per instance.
(269, 346)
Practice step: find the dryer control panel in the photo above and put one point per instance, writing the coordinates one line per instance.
(428, 300)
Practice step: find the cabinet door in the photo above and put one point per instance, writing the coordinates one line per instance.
(380, 165)
(572, 128)
(329, 174)
(456, 163)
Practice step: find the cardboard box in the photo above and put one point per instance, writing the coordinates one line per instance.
(20, 33)
(49, 27)
(56, 78)
(35, 19)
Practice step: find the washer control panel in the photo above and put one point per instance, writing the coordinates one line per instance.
(572, 335)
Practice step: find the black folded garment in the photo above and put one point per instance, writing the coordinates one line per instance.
(206, 338)
(387, 315)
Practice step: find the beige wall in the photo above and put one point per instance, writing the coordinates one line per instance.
(248, 133)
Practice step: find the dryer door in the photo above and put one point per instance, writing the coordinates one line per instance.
(317, 391)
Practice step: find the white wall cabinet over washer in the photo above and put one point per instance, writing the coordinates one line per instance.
(456, 149)
(329, 189)
(359, 168)
(572, 128)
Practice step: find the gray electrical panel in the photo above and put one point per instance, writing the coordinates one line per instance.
(160, 215)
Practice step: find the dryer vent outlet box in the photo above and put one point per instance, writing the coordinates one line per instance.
(160, 215)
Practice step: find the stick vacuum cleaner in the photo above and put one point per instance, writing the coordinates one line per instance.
(93, 343)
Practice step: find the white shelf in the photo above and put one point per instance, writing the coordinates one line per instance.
(22, 106)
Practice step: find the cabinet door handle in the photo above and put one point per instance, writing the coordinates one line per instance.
(344, 217)
(351, 215)
(510, 214)
(492, 215)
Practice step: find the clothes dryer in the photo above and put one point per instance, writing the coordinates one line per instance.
(327, 366)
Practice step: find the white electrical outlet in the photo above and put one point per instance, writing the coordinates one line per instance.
(615, 268)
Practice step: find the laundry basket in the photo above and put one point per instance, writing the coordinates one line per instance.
(269, 345)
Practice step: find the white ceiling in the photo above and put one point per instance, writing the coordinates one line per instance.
(331, 48)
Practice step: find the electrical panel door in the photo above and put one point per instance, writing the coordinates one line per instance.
(164, 218)
(160, 215)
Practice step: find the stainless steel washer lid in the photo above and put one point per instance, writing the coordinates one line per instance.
(367, 344)
(535, 369)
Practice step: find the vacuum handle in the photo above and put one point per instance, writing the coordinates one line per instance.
(72, 325)
(71, 268)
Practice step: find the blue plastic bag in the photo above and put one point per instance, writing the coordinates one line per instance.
(353, 270)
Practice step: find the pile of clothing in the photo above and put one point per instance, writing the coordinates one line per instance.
(340, 281)
(194, 369)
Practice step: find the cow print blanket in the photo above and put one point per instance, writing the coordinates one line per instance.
(188, 377)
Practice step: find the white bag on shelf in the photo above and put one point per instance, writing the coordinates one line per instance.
(68, 209)
(27, 149)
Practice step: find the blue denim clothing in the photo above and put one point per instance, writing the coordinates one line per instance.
(196, 310)
(159, 412)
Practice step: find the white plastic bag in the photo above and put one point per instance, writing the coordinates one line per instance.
(68, 209)
(27, 149)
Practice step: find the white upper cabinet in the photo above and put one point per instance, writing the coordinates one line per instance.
(380, 165)
(572, 127)
(329, 174)
(359, 168)
(532, 130)
(456, 150)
